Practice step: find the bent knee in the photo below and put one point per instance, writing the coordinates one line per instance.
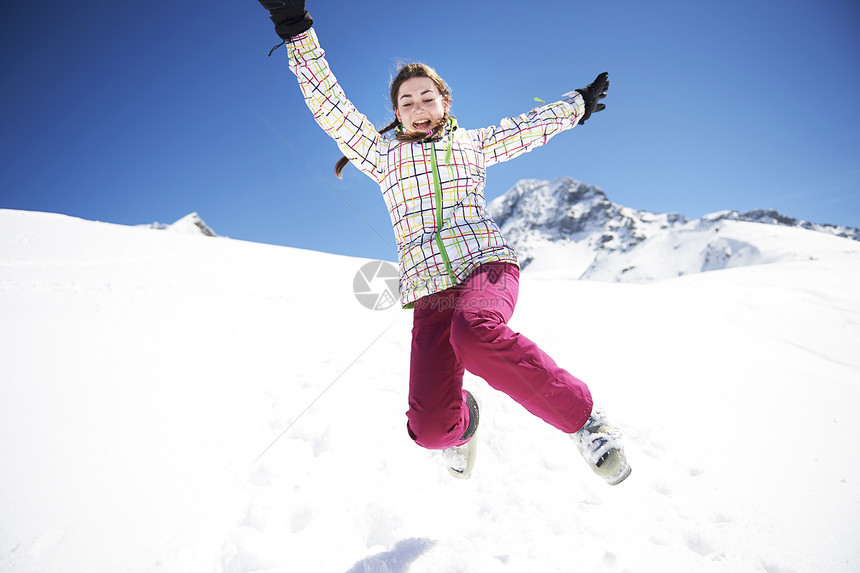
(469, 327)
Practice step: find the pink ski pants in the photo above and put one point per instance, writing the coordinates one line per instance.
(465, 328)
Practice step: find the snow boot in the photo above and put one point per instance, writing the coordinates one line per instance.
(461, 459)
(599, 442)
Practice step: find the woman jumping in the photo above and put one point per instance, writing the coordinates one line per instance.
(456, 271)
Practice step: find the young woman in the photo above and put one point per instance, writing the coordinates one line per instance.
(456, 270)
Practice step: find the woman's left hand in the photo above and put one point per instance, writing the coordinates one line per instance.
(592, 94)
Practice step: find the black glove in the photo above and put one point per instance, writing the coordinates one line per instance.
(289, 16)
(592, 94)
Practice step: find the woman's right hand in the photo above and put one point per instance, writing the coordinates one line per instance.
(289, 16)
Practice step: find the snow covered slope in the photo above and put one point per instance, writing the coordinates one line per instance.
(571, 228)
(188, 404)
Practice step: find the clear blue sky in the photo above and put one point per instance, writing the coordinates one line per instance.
(132, 113)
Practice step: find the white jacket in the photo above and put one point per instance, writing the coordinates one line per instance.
(434, 190)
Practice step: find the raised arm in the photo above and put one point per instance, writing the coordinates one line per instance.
(355, 135)
(517, 135)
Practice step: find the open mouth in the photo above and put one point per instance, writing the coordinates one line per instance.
(422, 125)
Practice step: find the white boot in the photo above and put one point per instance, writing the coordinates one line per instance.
(599, 442)
(461, 459)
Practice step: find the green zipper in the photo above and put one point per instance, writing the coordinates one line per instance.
(438, 195)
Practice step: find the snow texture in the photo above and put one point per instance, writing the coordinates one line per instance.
(182, 403)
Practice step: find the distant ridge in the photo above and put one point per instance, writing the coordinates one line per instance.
(565, 225)
(189, 224)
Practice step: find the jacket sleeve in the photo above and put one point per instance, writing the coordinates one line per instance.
(355, 135)
(517, 135)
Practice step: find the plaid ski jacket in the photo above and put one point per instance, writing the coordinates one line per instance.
(434, 190)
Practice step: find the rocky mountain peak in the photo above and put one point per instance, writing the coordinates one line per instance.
(568, 225)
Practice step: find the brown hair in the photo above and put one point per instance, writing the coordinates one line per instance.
(407, 72)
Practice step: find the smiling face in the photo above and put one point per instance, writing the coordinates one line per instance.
(420, 106)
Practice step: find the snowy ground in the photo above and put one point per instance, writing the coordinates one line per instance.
(143, 373)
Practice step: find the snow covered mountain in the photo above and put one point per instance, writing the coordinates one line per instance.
(189, 224)
(564, 226)
(172, 402)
